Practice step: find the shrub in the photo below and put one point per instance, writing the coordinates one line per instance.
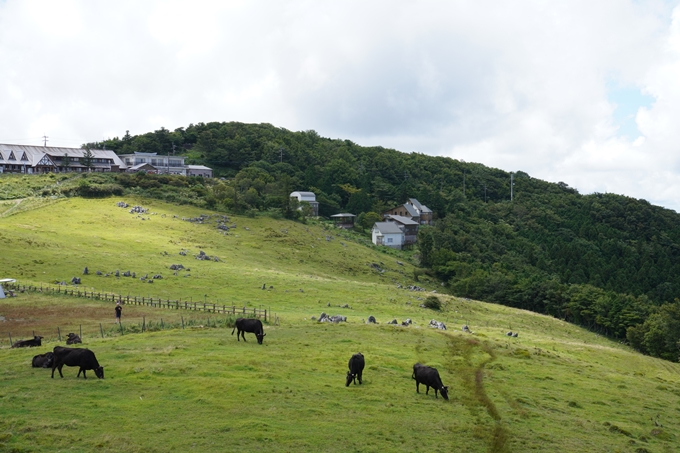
(433, 302)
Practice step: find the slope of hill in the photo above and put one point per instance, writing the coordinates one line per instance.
(603, 261)
(555, 387)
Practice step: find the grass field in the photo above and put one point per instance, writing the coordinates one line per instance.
(554, 388)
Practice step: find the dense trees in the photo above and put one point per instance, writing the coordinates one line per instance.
(604, 261)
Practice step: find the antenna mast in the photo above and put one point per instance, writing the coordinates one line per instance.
(512, 185)
(45, 137)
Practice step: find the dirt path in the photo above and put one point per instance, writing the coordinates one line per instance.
(473, 381)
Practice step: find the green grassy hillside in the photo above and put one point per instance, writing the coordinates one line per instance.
(556, 387)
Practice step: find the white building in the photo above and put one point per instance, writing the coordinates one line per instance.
(307, 197)
(165, 165)
(388, 234)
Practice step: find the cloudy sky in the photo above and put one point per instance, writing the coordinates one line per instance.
(584, 92)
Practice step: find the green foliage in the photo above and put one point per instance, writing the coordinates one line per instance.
(433, 303)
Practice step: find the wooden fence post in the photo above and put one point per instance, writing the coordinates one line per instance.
(10, 339)
(101, 329)
(182, 322)
(59, 333)
(143, 323)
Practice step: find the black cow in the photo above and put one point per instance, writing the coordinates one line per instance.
(249, 325)
(429, 377)
(356, 368)
(83, 358)
(43, 360)
(73, 339)
(35, 341)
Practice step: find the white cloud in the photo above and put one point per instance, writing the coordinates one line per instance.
(515, 85)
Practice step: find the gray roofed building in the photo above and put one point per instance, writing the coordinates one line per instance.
(47, 159)
(388, 234)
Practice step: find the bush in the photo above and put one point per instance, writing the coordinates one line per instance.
(433, 303)
(99, 190)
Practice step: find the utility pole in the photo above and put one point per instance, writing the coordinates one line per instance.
(280, 153)
(484, 193)
(45, 137)
(512, 184)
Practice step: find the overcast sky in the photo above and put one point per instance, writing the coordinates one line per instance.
(584, 92)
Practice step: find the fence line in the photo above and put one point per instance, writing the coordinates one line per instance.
(96, 329)
(147, 301)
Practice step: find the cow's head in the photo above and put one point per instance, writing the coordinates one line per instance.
(445, 392)
(99, 371)
(350, 378)
(260, 337)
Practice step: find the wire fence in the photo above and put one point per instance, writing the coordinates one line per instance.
(125, 327)
(200, 319)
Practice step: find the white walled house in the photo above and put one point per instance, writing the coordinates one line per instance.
(388, 234)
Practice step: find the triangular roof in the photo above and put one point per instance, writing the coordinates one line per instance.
(403, 220)
(387, 228)
(420, 207)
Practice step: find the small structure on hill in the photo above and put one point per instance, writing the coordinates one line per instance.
(388, 234)
(307, 197)
(2, 290)
(344, 220)
(199, 170)
(414, 210)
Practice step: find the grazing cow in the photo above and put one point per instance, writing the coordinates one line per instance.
(43, 360)
(429, 377)
(82, 358)
(35, 341)
(73, 339)
(356, 368)
(249, 325)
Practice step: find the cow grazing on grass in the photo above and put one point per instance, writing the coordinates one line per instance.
(429, 377)
(82, 358)
(73, 339)
(249, 325)
(35, 341)
(356, 368)
(43, 360)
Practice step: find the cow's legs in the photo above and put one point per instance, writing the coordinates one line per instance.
(61, 365)
(243, 334)
(417, 387)
(427, 392)
(359, 376)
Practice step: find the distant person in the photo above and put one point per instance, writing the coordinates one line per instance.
(119, 310)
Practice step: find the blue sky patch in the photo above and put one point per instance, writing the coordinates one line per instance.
(628, 100)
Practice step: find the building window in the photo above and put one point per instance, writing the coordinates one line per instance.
(389, 240)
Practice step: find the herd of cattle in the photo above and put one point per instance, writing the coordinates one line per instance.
(85, 359)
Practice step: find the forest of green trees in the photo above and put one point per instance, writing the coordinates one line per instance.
(606, 262)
